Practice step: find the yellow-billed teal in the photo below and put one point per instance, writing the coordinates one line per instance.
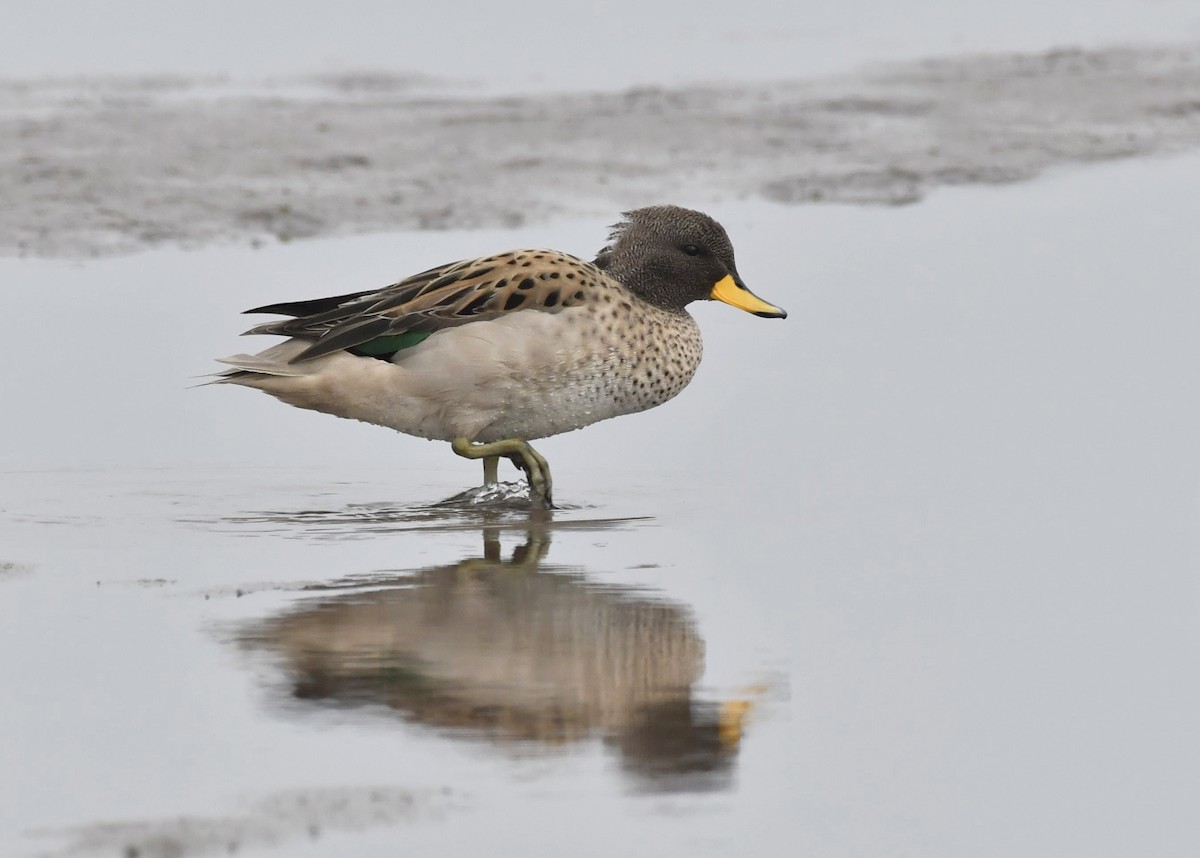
(492, 353)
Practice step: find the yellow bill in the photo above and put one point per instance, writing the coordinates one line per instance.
(730, 720)
(731, 717)
(734, 293)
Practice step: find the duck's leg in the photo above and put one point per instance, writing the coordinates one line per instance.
(491, 469)
(523, 456)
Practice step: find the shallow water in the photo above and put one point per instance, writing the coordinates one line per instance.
(912, 572)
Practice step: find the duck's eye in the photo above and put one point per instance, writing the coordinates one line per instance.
(691, 250)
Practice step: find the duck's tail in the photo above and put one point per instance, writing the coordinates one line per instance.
(274, 362)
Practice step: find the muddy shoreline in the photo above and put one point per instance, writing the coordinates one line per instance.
(101, 166)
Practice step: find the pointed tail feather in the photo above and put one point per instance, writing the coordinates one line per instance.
(274, 361)
(261, 365)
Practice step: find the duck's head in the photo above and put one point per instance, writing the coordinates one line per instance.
(671, 256)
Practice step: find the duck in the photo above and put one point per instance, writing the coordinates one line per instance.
(493, 352)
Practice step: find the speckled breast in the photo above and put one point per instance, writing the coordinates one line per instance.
(606, 361)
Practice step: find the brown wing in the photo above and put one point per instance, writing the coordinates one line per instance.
(472, 290)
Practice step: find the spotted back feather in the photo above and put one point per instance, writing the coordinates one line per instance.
(447, 296)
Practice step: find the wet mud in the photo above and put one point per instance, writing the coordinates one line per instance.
(101, 166)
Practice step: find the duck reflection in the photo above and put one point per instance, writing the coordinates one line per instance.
(518, 652)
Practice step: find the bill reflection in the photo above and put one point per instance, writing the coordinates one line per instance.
(517, 652)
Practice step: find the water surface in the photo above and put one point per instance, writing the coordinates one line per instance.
(911, 573)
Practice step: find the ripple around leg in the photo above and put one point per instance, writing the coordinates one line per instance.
(505, 505)
(499, 495)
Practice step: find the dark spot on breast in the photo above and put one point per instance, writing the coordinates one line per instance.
(570, 276)
(479, 273)
(527, 283)
(551, 299)
(579, 296)
(514, 300)
(553, 275)
(501, 283)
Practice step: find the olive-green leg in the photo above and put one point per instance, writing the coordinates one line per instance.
(491, 469)
(522, 455)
